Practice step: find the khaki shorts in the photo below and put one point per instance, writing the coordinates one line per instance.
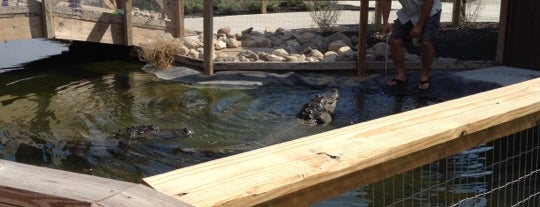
(430, 32)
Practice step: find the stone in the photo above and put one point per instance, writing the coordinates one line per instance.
(220, 44)
(334, 37)
(225, 31)
(380, 50)
(291, 58)
(233, 43)
(193, 53)
(345, 50)
(192, 42)
(269, 30)
(183, 50)
(316, 54)
(249, 55)
(330, 56)
(274, 58)
(280, 52)
(335, 45)
(311, 59)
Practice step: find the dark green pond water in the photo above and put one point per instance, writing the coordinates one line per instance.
(61, 112)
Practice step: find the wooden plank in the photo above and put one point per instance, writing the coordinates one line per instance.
(503, 29)
(208, 39)
(21, 27)
(26, 185)
(48, 20)
(340, 65)
(302, 171)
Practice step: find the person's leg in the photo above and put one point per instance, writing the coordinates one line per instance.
(400, 32)
(428, 38)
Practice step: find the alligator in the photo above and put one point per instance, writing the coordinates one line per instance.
(320, 109)
(131, 139)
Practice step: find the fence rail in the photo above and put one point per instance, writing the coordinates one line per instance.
(309, 169)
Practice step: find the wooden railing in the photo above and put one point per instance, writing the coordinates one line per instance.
(313, 168)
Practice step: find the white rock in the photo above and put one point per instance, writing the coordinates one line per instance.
(280, 52)
(192, 42)
(345, 50)
(220, 44)
(233, 43)
(335, 45)
(330, 56)
(316, 54)
(274, 58)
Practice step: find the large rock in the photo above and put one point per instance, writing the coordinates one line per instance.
(334, 37)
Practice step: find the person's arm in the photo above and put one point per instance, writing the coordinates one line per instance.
(426, 10)
(386, 5)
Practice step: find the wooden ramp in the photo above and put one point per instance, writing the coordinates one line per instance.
(42, 19)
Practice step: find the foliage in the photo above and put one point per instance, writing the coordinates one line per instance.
(160, 53)
(470, 10)
(324, 13)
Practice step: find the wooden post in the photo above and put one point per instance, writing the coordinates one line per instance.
(48, 20)
(208, 31)
(362, 40)
(503, 26)
(180, 19)
(263, 6)
(128, 31)
(456, 13)
(378, 15)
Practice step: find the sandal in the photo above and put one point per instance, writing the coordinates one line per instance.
(423, 85)
(395, 82)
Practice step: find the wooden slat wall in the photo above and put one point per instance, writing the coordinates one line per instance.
(302, 171)
(522, 43)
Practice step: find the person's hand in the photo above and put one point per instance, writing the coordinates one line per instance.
(416, 31)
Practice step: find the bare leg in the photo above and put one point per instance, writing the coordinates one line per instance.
(428, 54)
(397, 56)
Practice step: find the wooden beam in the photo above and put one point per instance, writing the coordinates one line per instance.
(48, 20)
(317, 167)
(456, 12)
(503, 29)
(128, 29)
(26, 185)
(263, 6)
(378, 15)
(179, 19)
(362, 40)
(208, 24)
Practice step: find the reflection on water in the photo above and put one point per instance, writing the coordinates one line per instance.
(77, 116)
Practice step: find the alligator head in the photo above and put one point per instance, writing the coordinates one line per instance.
(320, 109)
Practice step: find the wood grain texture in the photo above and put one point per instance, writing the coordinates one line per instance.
(302, 171)
(27, 185)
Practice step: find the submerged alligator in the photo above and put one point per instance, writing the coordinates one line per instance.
(132, 140)
(320, 109)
